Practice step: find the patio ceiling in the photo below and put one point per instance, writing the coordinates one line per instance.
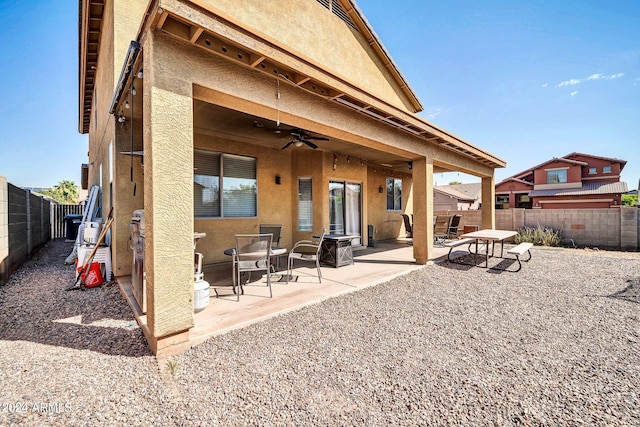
(219, 35)
(217, 121)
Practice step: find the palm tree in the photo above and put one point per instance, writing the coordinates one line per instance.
(65, 192)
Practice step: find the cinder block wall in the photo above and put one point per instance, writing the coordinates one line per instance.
(617, 229)
(4, 230)
(24, 226)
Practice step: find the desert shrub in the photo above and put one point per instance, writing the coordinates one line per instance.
(540, 236)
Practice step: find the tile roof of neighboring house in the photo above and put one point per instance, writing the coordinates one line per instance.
(453, 192)
(586, 189)
(473, 190)
(516, 180)
(611, 159)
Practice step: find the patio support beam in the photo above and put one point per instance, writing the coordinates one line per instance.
(168, 196)
(488, 205)
(422, 209)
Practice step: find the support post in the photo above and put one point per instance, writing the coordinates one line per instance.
(422, 209)
(488, 202)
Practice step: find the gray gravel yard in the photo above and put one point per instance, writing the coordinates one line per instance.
(556, 344)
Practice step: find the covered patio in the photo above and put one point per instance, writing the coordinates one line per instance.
(372, 266)
(222, 119)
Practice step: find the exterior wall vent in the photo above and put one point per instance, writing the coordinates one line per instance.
(336, 8)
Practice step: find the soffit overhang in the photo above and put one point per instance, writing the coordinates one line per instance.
(90, 15)
(199, 24)
(358, 18)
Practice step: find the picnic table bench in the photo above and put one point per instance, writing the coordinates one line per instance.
(455, 243)
(520, 250)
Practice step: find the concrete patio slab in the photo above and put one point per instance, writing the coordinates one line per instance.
(225, 313)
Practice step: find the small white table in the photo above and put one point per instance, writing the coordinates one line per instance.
(490, 235)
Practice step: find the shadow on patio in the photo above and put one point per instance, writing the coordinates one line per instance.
(371, 266)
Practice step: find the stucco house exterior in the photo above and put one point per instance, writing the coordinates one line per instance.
(215, 116)
(575, 181)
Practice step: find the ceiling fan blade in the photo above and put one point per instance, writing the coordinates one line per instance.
(318, 138)
(310, 144)
(288, 144)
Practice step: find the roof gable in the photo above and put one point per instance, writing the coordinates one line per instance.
(333, 35)
(575, 155)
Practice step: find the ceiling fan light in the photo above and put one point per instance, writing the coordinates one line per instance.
(298, 143)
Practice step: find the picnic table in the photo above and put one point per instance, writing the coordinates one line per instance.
(489, 236)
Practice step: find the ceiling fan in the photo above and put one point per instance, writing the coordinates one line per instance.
(302, 137)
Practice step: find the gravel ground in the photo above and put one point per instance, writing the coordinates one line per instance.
(556, 344)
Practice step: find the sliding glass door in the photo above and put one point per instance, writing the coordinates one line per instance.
(345, 209)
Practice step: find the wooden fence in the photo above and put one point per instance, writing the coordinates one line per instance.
(58, 214)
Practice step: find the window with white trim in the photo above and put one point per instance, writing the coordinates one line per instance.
(305, 204)
(557, 176)
(606, 169)
(225, 185)
(394, 194)
(593, 171)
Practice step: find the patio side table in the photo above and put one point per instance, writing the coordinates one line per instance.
(336, 250)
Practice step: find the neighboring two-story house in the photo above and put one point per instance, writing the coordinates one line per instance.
(574, 181)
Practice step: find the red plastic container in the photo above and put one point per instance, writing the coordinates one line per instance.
(93, 276)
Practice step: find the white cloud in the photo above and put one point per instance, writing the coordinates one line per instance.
(574, 93)
(614, 76)
(545, 85)
(597, 76)
(571, 82)
(433, 112)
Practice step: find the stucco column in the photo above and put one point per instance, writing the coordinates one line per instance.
(422, 209)
(168, 191)
(488, 202)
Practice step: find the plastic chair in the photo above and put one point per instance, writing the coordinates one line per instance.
(306, 250)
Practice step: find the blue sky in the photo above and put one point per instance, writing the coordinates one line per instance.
(524, 80)
(39, 143)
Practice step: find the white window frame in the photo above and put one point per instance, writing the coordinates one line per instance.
(555, 172)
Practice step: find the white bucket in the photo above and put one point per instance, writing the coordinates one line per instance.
(91, 232)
